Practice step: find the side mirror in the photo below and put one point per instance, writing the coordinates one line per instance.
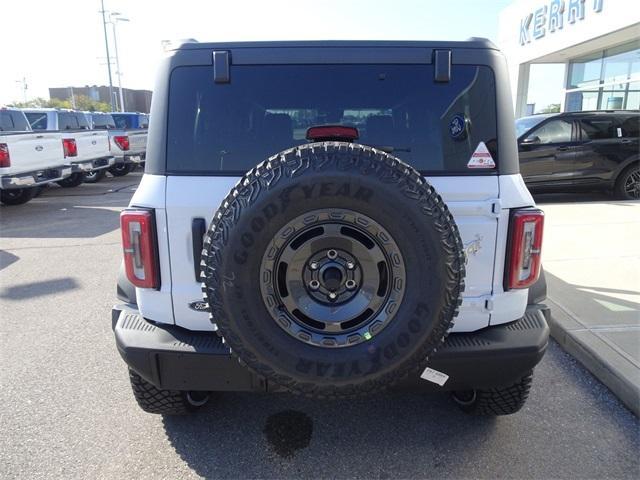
(531, 140)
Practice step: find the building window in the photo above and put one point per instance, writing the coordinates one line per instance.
(607, 80)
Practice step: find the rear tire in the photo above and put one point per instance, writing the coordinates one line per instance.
(95, 176)
(495, 401)
(17, 196)
(120, 169)
(628, 183)
(165, 402)
(72, 181)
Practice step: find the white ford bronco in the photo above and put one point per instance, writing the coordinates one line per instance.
(332, 219)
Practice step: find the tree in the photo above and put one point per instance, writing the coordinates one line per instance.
(85, 103)
(552, 108)
(82, 103)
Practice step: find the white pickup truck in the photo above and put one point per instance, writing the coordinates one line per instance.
(86, 150)
(27, 159)
(128, 133)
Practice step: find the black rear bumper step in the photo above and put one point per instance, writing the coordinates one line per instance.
(174, 358)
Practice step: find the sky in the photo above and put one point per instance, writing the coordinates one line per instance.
(61, 43)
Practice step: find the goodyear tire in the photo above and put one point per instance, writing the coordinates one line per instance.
(333, 270)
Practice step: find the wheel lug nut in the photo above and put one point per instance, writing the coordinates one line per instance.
(332, 254)
(314, 284)
(313, 265)
(333, 295)
(351, 265)
(350, 284)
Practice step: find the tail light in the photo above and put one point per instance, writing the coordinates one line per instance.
(122, 141)
(139, 246)
(5, 158)
(70, 148)
(524, 248)
(332, 132)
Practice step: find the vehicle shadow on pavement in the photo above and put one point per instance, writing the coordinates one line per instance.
(276, 435)
(7, 259)
(39, 289)
(46, 220)
(413, 435)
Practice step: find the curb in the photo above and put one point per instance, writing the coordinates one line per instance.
(596, 355)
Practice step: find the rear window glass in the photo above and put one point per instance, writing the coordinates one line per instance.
(229, 128)
(597, 129)
(631, 126)
(13, 121)
(123, 121)
(37, 120)
(72, 121)
(102, 122)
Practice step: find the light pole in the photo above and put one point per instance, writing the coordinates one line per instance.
(23, 86)
(106, 46)
(117, 17)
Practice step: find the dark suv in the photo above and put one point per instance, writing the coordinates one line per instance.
(581, 150)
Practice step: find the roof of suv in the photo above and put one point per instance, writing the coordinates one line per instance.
(473, 42)
(582, 112)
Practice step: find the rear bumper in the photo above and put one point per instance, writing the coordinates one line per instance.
(36, 177)
(93, 165)
(173, 358)
(132, 158)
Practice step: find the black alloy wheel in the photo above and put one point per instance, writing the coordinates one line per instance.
(333, 278)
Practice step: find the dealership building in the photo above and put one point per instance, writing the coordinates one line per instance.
(596, 41)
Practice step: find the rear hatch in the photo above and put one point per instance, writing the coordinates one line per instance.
(445, 129)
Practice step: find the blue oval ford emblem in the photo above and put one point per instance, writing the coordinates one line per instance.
(457, 127)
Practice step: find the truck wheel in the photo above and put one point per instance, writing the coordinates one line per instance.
(495, 401)
(17, 196)
(95, 176)
(71, 181)
(628, 183)
(333, 270)
(165, 402)
(120, 169)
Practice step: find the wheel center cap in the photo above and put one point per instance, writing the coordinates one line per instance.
(332, 276)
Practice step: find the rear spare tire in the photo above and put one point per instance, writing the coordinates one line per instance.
(333, 269)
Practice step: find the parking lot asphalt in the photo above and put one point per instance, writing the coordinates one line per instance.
(67, 410)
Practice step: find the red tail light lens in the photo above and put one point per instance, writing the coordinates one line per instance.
(70, 148)
(525, 244)
(122, 141)
(5, 158)
(139, 246)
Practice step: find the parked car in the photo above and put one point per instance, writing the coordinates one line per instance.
(347, 228)
(88, 150)
(28, 160)
(581, 150)
(128, 134)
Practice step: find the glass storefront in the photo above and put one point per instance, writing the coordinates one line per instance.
(606, 80)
